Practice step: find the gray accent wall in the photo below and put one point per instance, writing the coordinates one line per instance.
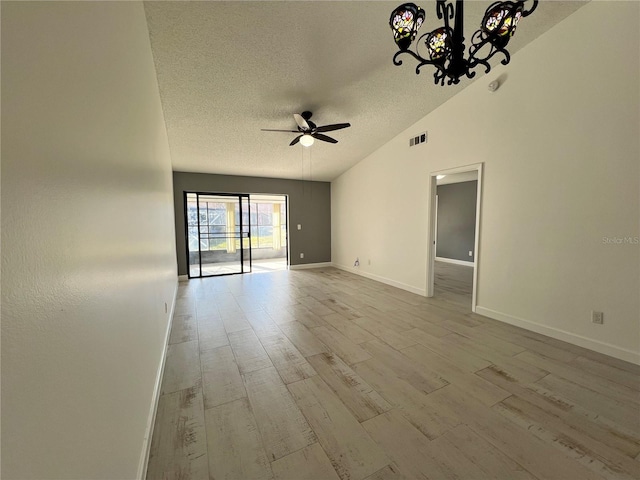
(309, 206)
(457, 220)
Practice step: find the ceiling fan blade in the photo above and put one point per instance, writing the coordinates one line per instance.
(295, 140)
(271, 130)
(331, 128)
(324, 138)
(302, 123)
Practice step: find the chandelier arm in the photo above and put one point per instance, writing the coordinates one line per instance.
(477, 37)
(421, 60)
(479, 40)
(439, 76)
(453, 81)
(507, 57)
(526, 13)
(474, 62)
(444, 10)
(438, 66)
(397, 61)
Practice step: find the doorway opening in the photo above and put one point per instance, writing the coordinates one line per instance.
(268, 223)
(231, 234)
(453, 254)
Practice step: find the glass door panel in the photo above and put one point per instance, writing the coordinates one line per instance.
(215, 231)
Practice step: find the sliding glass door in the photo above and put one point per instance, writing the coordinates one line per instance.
(218, 234)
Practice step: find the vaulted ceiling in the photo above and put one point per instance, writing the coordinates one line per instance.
(227, 69)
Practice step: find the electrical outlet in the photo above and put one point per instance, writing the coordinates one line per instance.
(299, 227)
(356, 263)
(597, 317)
(302, 255)
(471, 253)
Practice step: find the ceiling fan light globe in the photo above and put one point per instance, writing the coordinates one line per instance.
(306, 140)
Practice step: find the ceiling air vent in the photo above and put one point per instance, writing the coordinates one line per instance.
(418, 139)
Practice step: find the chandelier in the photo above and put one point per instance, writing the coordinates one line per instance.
(445, 48)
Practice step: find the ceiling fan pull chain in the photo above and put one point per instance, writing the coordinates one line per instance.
(310, 176)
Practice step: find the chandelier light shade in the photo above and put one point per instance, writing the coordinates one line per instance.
(405, 22)
(439, 43)
(502, 18)
(445, 45)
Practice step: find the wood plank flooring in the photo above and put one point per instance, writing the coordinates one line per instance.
(324, 375)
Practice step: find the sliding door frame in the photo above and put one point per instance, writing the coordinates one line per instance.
(241, 197)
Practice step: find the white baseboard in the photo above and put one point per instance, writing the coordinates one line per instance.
(305, 266)
(183, 278)
(453, 260)
(151, 420)
(386, 281)
(595, 345)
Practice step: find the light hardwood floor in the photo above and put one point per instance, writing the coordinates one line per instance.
(321, 374)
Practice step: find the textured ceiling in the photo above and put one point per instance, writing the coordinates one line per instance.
(227, 69)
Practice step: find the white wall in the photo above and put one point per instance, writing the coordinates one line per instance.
(88, 252)
(560, 145)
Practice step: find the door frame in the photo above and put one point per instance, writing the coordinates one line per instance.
(239, 196)
(431, 232)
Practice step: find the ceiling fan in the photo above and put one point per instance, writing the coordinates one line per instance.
(309, 131)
